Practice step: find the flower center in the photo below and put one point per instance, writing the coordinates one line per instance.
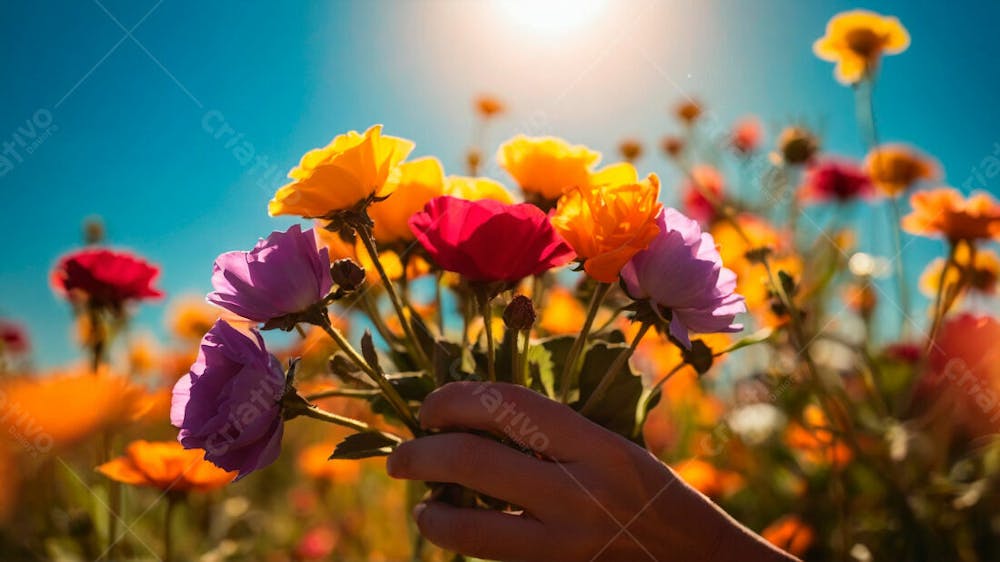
(864, 42)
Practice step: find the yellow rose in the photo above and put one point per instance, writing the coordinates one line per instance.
(351, 169)
(546, 166)
(417, 182)
(474, 189)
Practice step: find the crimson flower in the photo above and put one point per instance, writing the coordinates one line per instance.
(13, 338)
(106, 277)
(836, 180)
(487, 241)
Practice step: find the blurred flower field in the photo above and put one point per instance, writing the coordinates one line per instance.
(740, 346)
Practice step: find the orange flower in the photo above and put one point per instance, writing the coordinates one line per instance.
(563, 314)
(417, 182)
(64, 408)
(190, 317)
(895, 168)
(708, 479)
(981, 274)
(815, 440)
(546, 166)
(166, 465)
(352, 169)
(688, 111)
(607, 225)
(944, 212)
(314, 462)
(474, 189)
(790, 534)
(488, 106)
(856, 40)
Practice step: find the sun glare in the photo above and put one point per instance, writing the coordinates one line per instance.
(552, 16)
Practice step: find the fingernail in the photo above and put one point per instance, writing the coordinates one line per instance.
(392, 466)
(417, 510)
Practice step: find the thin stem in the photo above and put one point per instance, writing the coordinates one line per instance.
(439, 302)
(487, 312)
(524, 366)
(168, 524)
(389, 391)
(515, 359)
(569, 368)
(342, 392)
(897, 241)
(371, 309)
(318, 413)
(939, 305)
(365, 233)
(620, 360)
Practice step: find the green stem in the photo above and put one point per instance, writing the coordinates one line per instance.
(600, 291)
(897, 241)
(365, 233)
(939, 306)
(487, 312)
(318, 413)
(620, 360)
(439, 303)
(168, 524)
(524, 366)
(342, 392)
(389, 391)
(371, 309)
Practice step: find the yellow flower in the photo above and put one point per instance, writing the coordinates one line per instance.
(856, 40)
(608, 224)
(350, 170)
(895, 168)
(190, 317)
(353, 249)
(474, 189)
(143, 355)
(981, 274)
(417, 182)
(165, 465)
(546, 167)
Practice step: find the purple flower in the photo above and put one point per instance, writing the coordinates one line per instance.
(229, 404)
(682, 271)
(283, 274)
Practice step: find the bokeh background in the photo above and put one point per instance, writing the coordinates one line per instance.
(139, 97)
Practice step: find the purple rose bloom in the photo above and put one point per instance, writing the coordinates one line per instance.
(682, 271)
(229, 404)
(283, 274)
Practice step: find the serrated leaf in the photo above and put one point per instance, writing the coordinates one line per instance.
(365, 445)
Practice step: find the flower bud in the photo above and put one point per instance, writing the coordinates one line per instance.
(672, 146)
(797, 145)
(519, 314)
(347, 274)
(630, 149)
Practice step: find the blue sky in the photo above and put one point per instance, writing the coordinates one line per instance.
(125, 99)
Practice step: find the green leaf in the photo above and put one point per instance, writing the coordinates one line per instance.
(365, 445)
(413, 387)
(541, 372)
(558, 348)
(619, 408)
(760, 336)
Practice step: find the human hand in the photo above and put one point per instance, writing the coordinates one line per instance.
(595, 496)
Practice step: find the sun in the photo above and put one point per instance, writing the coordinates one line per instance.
(552, 16)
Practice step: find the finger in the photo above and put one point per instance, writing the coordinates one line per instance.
(482, 533)
(483, 465)
(526, 417)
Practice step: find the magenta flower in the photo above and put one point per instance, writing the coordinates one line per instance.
(283, 274)
(836, 180)
(229, 403)
(682, 272)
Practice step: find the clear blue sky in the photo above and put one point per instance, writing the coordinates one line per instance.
(133, 115)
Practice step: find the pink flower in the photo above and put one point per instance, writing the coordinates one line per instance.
(487, 241)
(836, 180)
(746, 135)
(283, 274)
(682, 275)
(704, 178)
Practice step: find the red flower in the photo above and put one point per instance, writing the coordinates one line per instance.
(836, 180)
(746, 135)
(703, 178)
(13, 338)
(488, 241)
(106, 277)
